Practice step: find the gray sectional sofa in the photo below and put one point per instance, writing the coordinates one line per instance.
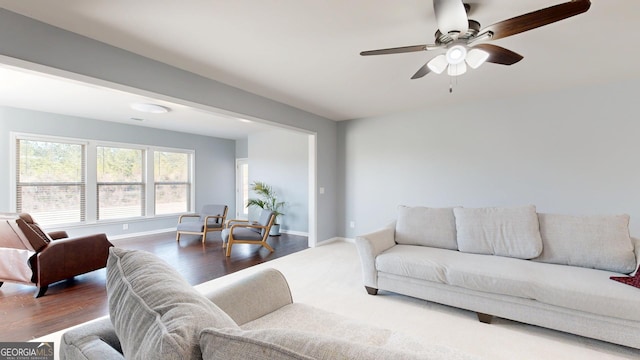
(542, 269)
(155, 314)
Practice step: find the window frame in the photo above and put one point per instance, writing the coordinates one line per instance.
(90, 176)
(143, 179)
(190, 175)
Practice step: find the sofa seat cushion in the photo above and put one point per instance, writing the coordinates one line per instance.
(286, 344)
(304, 318)
(155, 312)
(435, 227)
(577, 288)
(241, 233)
(512, 232)
(418, 262)
(599, 242)
(195, 226)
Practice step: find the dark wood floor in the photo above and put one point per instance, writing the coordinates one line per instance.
(84, 298)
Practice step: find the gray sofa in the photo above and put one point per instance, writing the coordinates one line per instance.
(542, 269)
(155, 314)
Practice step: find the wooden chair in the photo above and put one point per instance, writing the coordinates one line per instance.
(211, 218)
(245, 232)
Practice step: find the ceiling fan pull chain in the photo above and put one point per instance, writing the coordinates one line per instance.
(450, 84)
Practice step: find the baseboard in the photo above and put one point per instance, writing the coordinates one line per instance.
(334, 239)
(293, 232)
(143, 233)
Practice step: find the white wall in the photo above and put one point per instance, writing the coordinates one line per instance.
(280, 158)
(574, 152)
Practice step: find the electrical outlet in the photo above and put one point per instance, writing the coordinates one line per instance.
(352, 224)
(125, 226)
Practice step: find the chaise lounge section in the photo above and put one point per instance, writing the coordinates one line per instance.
(542, 269)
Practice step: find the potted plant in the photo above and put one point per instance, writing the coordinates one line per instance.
(267, 200)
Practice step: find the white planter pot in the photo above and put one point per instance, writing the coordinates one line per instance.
(275, 230)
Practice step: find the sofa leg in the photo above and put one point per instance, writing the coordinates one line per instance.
(484, 318)
(41, 291)
(371, 291)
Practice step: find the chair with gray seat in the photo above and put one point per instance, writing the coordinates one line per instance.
(211, 218)
(245, 232)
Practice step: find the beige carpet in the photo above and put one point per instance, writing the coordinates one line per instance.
(328, 277)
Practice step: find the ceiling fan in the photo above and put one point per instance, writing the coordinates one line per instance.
(461, 36)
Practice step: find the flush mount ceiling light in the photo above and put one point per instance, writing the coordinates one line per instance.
(150, 108)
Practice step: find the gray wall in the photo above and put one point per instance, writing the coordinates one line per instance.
(242, 148)
(573, 152)
(280, 158)
(33, 41)
(214, 159)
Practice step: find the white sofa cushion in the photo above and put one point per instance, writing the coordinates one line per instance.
(512, 232)
(577, 288)
(598, 242)
(286, 344)
(435, 227)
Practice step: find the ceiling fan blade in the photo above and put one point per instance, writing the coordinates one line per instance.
(397, 50)
(424, 70)
(451, 16)
(537, 19)
(499, 55)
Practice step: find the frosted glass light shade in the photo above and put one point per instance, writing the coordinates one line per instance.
(438, 64)
(456, 54)
(476, 57)
(457, 69)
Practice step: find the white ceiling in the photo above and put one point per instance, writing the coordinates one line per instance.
(306, 53)
(26, 89)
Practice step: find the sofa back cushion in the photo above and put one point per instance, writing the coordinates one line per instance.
(155, 312)
(598, 242)
(434, 227)
(36, 236)
(512, 232)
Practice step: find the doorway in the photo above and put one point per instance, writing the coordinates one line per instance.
(242, 188)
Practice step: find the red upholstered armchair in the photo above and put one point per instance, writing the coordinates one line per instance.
(30, 256)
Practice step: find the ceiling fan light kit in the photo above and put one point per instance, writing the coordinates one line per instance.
(459, 35)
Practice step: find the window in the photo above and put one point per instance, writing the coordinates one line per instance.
(172, 182)
(63, 181)
(50, 180)
(120, 182)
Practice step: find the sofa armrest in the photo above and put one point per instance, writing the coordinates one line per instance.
(95, 340)
(66, 258)
(369, 247)
(254, 296)
(636, 246)
(56, 235)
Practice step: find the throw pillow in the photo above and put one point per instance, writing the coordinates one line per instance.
(598, 242)
(434, 227)
(629, 280)
(285, 344)
(512, 232)
(155, 312)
